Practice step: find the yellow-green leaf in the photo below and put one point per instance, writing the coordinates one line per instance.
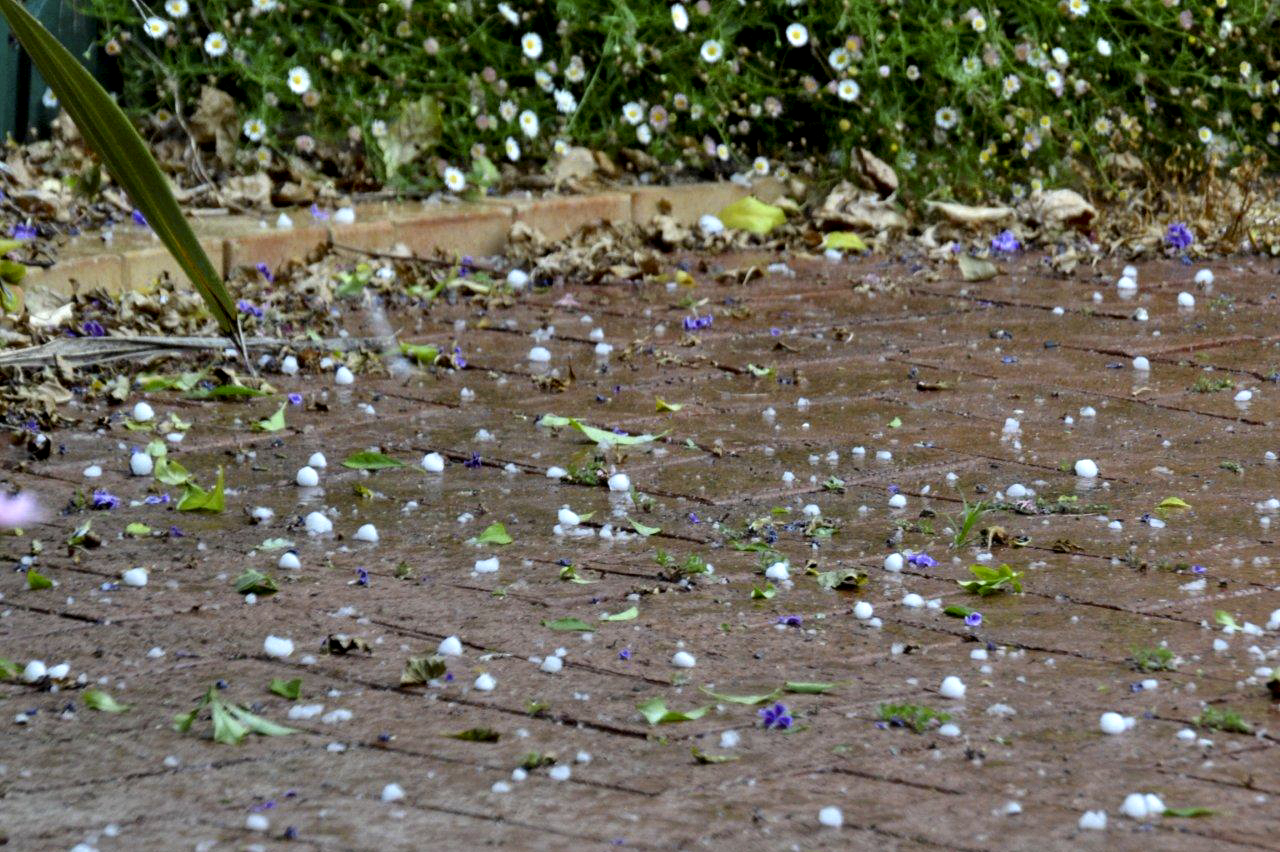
(274, 423)
(96, 699)
(494, 534)
(1174, 503)
(37, 581)
(575, 624)
(626, 615)
(662, 405)
(196, 499)
(655, 712)
(643, 529)
(844, 240)
(753, 215)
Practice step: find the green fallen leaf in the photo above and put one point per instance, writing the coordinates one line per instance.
(976, 269)
(628, 614)
(663, 405)
(276, 544)
(760, 372)
(596, 435)
(765, 594)
(170, 472)
(256, 724)
(752, 215)
(476, 735)
(96, 699)
(702, 757)
(895, 423)
(844, 240)
(1226, 620)
(37, 581)
(418, 670)
(749, 699)
(9, 670)
(957, 611)
(801, 687)
(576, 624)
(137, 530)
(642, 529)
(990, 581)
(289, 689)
(655, 712)
(1174, 503)
(570, 575)
(370, 460)
(495, 533)
(1188, 812)
(196, 499)
(842, 578)
(255, 582)
(424, 354)
(274, 423)
(228, 392)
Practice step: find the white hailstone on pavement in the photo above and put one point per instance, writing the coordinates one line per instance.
(539, 355)
(567, 517)
(318, 461)
(831, 817)
(952, 687)
(1130, 271)
(1244, 396)
(1011, 426)
(730, 739)
(1186, 300)
(1126, 284)
(1093, 820)
(143, 413)
(277, 647)
(433, 463)
(683, 660)
(559, 773)
(344, 216)
(862, 610)
(257, 822)
(1204, 276)
(777, 572)
(811, 510)
(1141, 364)
(1086, 468)
(950, 729)
(619, 482)
(487, 566)
(555, 472)
(93, 471)
(343, 376)
(307, 477)
(1016, 491)
(485, 682)
(141, 464)
(898, 501)
(1140, 806)
(283, 222)
(289, 366)
(517, 279)
(710, 225)
(893, 562)
(318, 523)
(603, 349)
(59, 671)
(392, 793)
(35, 671)
(552, 664)
(289, 561)
(367, 532)
(450, 647)
(1112, 723)
(135, 577)
(912, 601)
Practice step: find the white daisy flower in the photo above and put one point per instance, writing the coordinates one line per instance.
(157, 28)
(543, 79)
(679, 17)
(255, 129)
(513, 149)
(454, 179)
(560, 147)
(299, 80)
(848, 90)
(508, 110)
(839, 59)
(565, 101)
(378, 128)
(263, 156)
(1053, 79)
(1060, 56)
(529, 123)
(722, 151)
(264, 6)
(1077, 8)
(760, 166)
(531, 44)
(1205, 135)
(946, 118)
(797, 35)
(712, 52)
(215, 44)
(177, 8)
(507, 12)
(1102, 125)
(1103, 47)
(644, 135)
(978, 23)
(971, 65)
(632, 113)
(576, 72)
(1011, 85)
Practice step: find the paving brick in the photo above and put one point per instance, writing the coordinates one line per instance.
(83, 273)
(143, 266)
(560, 216)
(685, 203)
(473, 229)
(273, 246)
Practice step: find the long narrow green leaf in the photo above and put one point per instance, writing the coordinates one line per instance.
(113, 138)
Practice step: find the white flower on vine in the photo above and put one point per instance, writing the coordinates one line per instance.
(215, 44)
(157, 28)
(299, 80)
(531, 44)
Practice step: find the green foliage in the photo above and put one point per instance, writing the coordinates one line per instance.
(966, 523)
(989, 581)
(1153, 659)
(231, 722)
(917, 717)
(109, 133)
(1223, 720)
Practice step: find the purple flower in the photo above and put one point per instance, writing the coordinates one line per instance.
(790, 620)
(295, 399)
(695, 323)
(776, 717)
(92, 328)
(459, 362)
(318, 214)
(922, 560)
(465, 267)
(247, 307)
(139, 219)
(1198, 569)
(264, 271)
(694, 519)
(973, 619)
(23, 232)
(775, 331)
(104, 499)
(176, 532)
(1005, 242)
(624, 654)
(156, 499)
(362, 577)
(472, 462)
(1179, 236)
(893, 489)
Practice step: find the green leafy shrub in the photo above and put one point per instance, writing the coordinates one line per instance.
(432, 93)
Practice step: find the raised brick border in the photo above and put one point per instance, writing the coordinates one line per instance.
(134, 262)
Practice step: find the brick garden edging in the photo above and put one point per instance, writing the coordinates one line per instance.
(134, 260)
